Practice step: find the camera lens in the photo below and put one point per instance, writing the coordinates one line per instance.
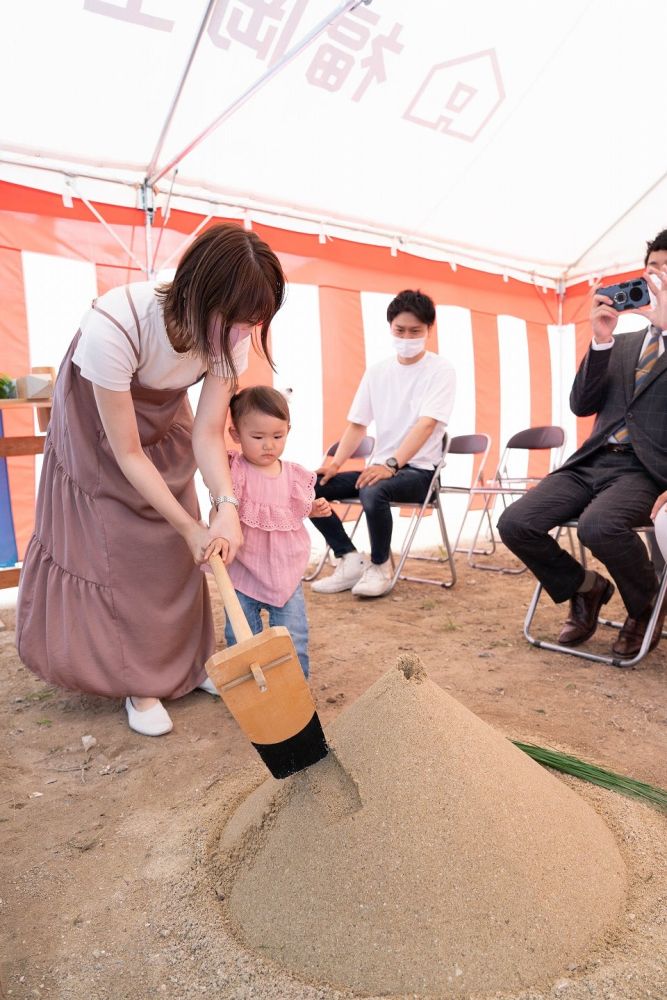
(636, 294)
(620, 298)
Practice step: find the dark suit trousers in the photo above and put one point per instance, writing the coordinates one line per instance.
(610, 493)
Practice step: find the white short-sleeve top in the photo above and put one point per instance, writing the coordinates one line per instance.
(125, 334)
(395, 396)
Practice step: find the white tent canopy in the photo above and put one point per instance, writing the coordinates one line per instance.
(516, 137)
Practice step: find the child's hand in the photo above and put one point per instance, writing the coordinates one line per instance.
(320, 508)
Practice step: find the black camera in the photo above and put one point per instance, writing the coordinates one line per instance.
(628, 295)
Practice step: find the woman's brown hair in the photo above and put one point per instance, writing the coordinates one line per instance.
(229, 272)
(258, 397)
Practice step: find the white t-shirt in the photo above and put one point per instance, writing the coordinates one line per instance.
(395, 396)
(120, 337)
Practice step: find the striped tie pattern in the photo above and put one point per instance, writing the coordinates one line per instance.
(648, 358)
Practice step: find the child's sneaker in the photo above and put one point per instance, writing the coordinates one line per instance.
(349, 570)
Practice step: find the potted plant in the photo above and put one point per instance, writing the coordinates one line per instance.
(7, 387)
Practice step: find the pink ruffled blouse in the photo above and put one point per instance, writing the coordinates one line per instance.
(276, 545)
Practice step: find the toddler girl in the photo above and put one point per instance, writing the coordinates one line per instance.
(274, 499)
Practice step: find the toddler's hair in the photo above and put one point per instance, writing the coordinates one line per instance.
(258, 397)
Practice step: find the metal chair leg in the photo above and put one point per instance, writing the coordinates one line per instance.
(470, 550)
(327, 552)
(508, 571)
(447, 560)
(614, 661)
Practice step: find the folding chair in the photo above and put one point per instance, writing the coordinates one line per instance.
(477, 446)
(612, 660)
(431, 503)
(363, 450)
(507, 487)
(418, 512)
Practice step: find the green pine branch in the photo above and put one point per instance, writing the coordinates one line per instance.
(595, 775)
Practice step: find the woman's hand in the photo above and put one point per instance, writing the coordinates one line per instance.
(202, 546)
(224, 525)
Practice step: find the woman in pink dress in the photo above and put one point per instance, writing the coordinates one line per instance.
(111, 599)
(275, 497)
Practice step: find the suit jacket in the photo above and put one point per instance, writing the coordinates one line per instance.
(605, 385)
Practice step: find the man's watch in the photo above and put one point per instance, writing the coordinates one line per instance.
(393, 465)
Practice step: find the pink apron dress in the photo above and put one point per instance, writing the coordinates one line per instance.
(110, 601)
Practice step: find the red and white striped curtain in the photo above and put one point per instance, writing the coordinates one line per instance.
(514, 363)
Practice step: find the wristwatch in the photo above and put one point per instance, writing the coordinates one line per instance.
(393, 465)
(218, 501)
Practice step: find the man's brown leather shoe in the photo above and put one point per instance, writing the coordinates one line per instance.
(584, 611)
(632, 634)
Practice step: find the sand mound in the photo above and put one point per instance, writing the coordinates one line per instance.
(427, 855)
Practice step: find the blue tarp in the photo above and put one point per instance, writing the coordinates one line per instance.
(8, 552)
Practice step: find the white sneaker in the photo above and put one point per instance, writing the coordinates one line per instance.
(209, 687)
(375, 580)
(154, 721)
(350, 568)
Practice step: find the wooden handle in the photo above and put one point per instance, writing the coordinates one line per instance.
(232, 604)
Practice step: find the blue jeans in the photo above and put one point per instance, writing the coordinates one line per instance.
(292, 615)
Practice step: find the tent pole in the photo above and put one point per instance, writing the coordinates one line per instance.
(617, 221)
(561, 291)
(165, 219)
(184, 243)
(148, 205)
(91, 208)
(560, 294)
(179, 90)
(289, 56)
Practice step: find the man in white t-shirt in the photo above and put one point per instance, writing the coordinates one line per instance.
(410, 397)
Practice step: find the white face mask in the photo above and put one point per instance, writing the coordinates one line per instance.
(409, 348)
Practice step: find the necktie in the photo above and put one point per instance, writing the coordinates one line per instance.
(648, 358)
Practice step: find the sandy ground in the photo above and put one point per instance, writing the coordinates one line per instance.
(104, 880)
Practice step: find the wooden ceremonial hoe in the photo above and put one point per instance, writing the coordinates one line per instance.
(261, 682)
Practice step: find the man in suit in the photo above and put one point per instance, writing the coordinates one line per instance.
(612, 482)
